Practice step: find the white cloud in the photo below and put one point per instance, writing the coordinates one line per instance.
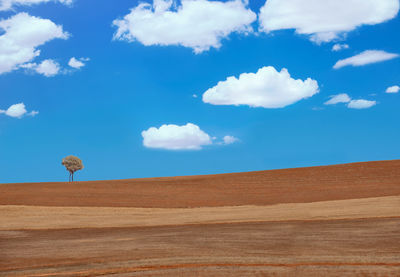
(174, 137)
(352, 104)
(361, 104)
(230, 139)
(338, 47)
(9, 4)
(48, 68)
(18, 111)
(325, 20)
(22, 35)
(317, 108)
(366, 57)
(77, 63)
(339, 98)
(393, 89)
(33, 113)
(198, 24)
(267, 88)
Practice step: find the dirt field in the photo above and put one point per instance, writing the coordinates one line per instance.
(298, 185)
(339, 220)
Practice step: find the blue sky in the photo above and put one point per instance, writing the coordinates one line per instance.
(127, 105)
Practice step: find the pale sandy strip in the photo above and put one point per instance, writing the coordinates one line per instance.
(15, 217)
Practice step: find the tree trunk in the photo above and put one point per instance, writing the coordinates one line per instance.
(72, 177)
(69, 177)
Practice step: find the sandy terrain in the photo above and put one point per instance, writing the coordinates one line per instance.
(36, 218)
(339, 220)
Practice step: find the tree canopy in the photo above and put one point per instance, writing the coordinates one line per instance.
(72, 164)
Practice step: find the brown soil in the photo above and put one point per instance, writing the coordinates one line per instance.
(369, 247)
(339, 220)
(298, 185)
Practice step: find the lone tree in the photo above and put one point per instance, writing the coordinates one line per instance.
(72, 164)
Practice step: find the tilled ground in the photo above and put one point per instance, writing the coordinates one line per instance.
(298, 185)
(368, 247)
(267, 223)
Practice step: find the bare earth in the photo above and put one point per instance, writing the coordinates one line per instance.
(339, 220)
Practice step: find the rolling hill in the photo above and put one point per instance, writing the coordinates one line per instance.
(340, 220)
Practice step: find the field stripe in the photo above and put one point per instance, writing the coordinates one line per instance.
(15, 217)
(107, 271)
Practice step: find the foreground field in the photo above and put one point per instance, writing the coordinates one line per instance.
(334, 221)
(315, 248)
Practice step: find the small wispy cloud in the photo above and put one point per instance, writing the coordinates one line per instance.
(339, 47)
(393, 89)
(77, 63)
(351, 103)
(361, 104)
(6, 5)
(366, 57)
(48, 68)
(18, 111)
(230, 139)
(339, 98)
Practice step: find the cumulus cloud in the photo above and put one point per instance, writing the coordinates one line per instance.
(339, 98)
(366, 57)
(18, 111)
(361, 104)
(325, 20)
(266, 88)
(230, 139)
(199, 24)
(339, 46)
(22, 35)
(9, 4)
(77, 63)
(174, 137)
(48, 68)
(393, 89)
